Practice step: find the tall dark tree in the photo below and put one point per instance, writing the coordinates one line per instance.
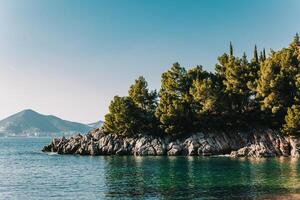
(292, 121)
(277, 86)
(133, 114)
(296, 40)
(174, 111)
(255, 55)
(146, 102)
(230, 50)
(264, 54)
(142, 97)
(123, 117)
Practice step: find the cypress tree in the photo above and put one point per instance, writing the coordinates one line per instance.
(261, 56)
(255, 55)
(230, 50)
(296, 39)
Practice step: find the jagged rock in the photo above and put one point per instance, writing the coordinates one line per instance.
(93, 149)
(122, 151)
(295, 147)
(160, 148)
(258, 143)
(193, 148)
(205, 150)
(175, 150)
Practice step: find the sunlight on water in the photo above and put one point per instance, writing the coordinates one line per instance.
(27, 173)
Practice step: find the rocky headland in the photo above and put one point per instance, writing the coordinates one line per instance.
(258, 143)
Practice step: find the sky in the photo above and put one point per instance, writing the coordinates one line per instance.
(70, 57)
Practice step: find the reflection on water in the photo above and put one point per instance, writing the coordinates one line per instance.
(26, 173)
(194, 177)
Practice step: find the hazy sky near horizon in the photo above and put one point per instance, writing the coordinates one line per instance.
(69, 58)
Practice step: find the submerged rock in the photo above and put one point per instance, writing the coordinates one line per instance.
(258, 143)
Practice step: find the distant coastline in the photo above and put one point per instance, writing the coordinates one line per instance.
(29, 123)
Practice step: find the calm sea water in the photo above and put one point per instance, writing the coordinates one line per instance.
(27, 173)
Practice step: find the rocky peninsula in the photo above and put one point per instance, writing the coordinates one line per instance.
(241, 94)
(258, 143)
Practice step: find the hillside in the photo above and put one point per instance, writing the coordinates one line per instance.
(31, 123)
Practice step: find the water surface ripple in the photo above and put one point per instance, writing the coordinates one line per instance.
(27, 173)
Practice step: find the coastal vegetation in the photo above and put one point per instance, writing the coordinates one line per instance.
(262, 91)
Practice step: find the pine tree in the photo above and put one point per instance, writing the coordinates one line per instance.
(174, 110)
(123, 117)
(133, 114)
(292, 121)
(277, 87)
(206, 92)
(253, 70)
(196, 99)
(220, 68)
(255, 55)
(141, 96)
(146, 102)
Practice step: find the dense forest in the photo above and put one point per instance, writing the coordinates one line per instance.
(242, 93)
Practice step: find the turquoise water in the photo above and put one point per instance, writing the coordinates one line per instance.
(27, 173)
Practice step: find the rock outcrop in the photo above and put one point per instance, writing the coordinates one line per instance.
(259, 143)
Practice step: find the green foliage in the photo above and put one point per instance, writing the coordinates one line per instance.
(296, 40)
(146, 102)
(239, 79)
(133, 114)
(240, 92)
(276, 84)
(142, 97)
(255, 55)
(123, 117)
(292, 121)
(174, 110)
(206, 91)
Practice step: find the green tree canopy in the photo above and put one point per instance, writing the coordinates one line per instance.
(276, 84)
(292, 121)
(133, 114)
(264, 89)
(174, 110)
(123, 117)
(142, 97)
(146, 102)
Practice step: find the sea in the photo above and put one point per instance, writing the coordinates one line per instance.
(28, 173)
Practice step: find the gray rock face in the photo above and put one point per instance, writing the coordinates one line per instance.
(295, 147)
(266, 144)
(259, 143)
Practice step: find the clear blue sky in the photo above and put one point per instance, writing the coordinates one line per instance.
(69, 58)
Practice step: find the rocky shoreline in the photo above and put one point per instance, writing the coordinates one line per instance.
(258, 143)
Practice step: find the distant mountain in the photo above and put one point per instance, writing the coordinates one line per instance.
(96, 124)
(31, 123)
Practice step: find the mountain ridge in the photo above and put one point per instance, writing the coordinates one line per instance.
(31, 123)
